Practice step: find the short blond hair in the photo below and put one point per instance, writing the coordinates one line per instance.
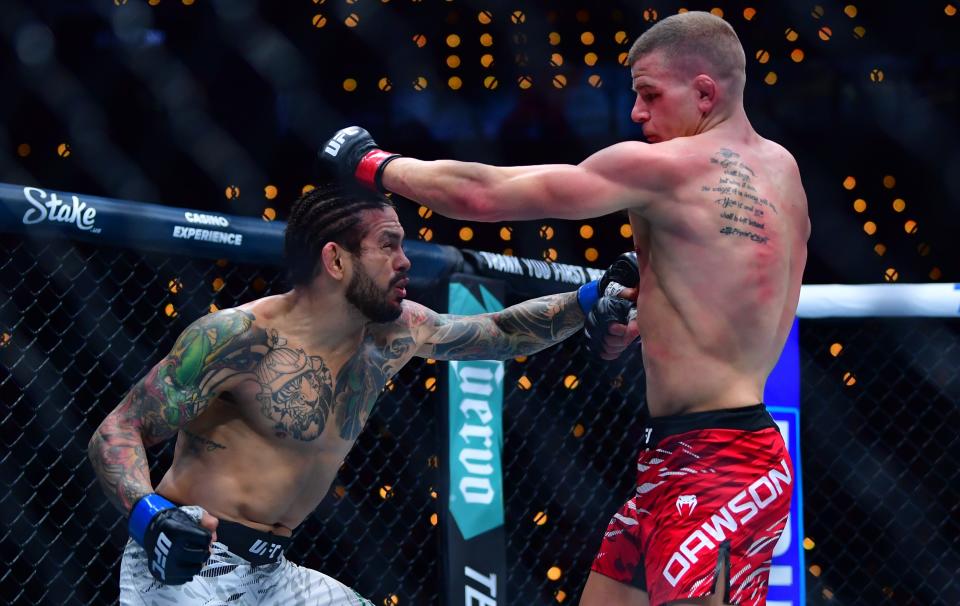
(695, 42)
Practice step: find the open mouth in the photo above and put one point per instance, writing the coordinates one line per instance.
(401, 288)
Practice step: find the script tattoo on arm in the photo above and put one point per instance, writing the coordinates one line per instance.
(175, 391)
(743, 212)
(522, 329)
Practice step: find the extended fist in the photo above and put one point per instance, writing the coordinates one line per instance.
(353, 155)
(610, 327)
(622, 273)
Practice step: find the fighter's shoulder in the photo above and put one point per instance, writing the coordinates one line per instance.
(779, 155)
(229, 321)
(211, 332)
(628, 161)
(415, 315)
(631, 151)
(415, 326)
(413, 318)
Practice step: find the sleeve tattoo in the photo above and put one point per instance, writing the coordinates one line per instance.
(521, 329)
(175, 391)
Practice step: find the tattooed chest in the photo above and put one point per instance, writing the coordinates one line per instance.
(300, 398)
(296, 403)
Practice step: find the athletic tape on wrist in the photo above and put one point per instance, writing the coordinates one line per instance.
(143, 511)
(613, 289)
(588, 295)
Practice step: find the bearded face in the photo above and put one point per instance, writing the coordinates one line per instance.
(377, 304)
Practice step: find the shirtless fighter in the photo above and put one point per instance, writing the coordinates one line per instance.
(720, 227)
(266, 400)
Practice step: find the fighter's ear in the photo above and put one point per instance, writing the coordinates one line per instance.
(333, 258)
(706, 90)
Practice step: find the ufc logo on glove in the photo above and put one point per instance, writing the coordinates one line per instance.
(333, 145)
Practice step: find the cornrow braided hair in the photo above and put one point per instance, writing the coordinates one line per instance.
(330, 213)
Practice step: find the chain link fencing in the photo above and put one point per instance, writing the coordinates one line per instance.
(80, 324)
(880, 449)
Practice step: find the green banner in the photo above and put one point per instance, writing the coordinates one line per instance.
(475, 428)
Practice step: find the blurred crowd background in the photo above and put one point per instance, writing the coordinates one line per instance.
(220, 105)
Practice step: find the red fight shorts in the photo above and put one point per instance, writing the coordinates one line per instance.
(713, 489)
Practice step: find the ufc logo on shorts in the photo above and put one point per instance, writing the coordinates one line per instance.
(260, 547)
(333, 146)
(160, 552)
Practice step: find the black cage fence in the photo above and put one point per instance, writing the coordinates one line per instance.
(80, 323)
(881, 407)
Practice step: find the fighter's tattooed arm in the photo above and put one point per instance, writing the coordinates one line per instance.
(175, 391)
(522, 329)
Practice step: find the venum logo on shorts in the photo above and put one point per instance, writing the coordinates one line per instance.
(762, 493)
(57, 210)
(686, 503)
